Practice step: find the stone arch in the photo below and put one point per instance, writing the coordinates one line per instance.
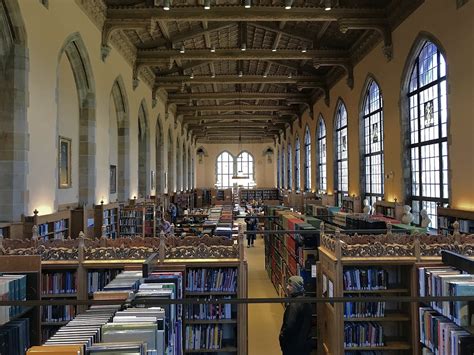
(159, 146)
(76, 52)
(13, 119)
(171, 163)
(120, 99)
(143, 151)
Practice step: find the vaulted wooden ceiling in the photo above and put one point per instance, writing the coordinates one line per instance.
(236, 72)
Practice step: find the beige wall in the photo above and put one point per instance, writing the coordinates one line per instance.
(453, 29)
(56, 24)
(206, 170)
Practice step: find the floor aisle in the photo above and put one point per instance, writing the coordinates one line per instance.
(264, 319)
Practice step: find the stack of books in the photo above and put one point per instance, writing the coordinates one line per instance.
(15, 337)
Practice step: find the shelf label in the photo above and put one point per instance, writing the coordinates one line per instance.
(313, 270)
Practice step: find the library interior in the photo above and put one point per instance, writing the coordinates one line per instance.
(241, 177)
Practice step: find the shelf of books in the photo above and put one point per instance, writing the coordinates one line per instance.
(106, 215)
(351, 204)
(211, 327)
(132, 220)
(19, 326)
(51, 226)
(447, 327)
(384, 265)
(447, 216)
(259, 194)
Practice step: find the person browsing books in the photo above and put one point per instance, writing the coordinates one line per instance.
(295, 333)
(252, 224)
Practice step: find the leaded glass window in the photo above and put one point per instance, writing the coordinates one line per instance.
(307, 160)
(342, 171)
(225, 170)
(289, 166)
(297, 164)
(322, 159)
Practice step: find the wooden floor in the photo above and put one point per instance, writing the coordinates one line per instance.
(264, 319)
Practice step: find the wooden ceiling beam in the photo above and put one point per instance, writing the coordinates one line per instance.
(269, 26)
(277, 108)
(234, 79)
(158, 57)
(239, 13)
(191, 118)
(187, 66)
(177, 98)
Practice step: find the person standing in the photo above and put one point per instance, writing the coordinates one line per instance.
(295, 333)
(173, 211)
(252, 223)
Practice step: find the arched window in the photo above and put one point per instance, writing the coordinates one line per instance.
(322, 172)
(428, 126)
(225, 170)
(372, 121)
(245, 167)
(297, 164)
(278, 169)
(283, 167)
(341, 141)
(289, 167)
(307, 160)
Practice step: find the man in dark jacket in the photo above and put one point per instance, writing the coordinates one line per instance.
(295, 333)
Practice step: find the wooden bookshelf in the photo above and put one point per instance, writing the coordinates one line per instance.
(106, 215)
(237, 323)
(12, 230)
(447, 216)
(51, 226)
(351, 204)
(132, 220)
(30, 265)
(389, 209)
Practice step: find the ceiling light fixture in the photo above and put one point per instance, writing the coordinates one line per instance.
(264, 75)
(181, 50)
(248, 4)
(289, 76)
(274, 49)
(327, 5)
(213, 49)
(240, 74)
(166, 5)
(288, 4)
(207, 4)
(191, 76)
(213, 75)
(303, 50)
(243, 47)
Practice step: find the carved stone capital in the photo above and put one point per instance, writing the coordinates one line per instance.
(105, 51)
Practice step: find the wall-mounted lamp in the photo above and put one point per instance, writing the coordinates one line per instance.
(35, 212)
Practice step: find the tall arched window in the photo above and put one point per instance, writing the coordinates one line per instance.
(372, 121)
(342, 172)
(245, 166)
(322, 159)
(278, 169)
(225, 170)
(307, 160)
(289, 167)
(428, 126)
(297, 164)
(282, 175)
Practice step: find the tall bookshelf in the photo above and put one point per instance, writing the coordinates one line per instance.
(132, 220)
(201, 282)
(51, 226)
(447, 216)
(344, 277)
(106, 215)
(29, 265)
